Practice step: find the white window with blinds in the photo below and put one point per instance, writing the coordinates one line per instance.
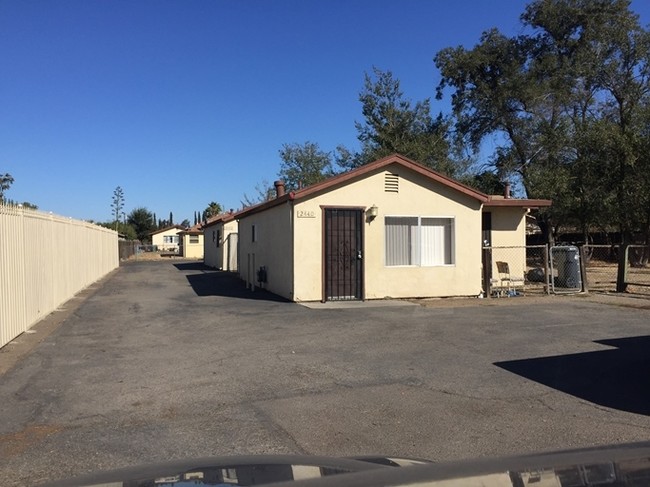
(419, 241)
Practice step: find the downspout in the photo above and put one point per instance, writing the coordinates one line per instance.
(293, 253)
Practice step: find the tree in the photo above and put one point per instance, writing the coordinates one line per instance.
(141, 220)
(117, 205)
(603, 50)
(566, 99)
(185, 223)
(213, 209)
(122, 228)
(263, 192)
(6, 180)
(304, 165)
(486, 181)
(25, 204)
(392, 124)
(171, 218)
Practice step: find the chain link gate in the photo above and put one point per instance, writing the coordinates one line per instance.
(566, 275)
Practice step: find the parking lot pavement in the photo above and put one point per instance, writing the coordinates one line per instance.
(172, 360)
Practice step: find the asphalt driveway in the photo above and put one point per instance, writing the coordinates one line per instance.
(172, 360)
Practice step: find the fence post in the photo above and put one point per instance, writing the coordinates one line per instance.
(487, 271)
(547, 271)
(621, 276)
(583, 269)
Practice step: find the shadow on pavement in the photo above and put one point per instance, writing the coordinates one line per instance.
(210, 282)
(192, 266)
(615, 378)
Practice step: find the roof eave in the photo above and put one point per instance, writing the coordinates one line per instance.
(264, 205)
(362, 171)
(518, 203)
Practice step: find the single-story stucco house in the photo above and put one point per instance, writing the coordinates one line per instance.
(191, 242)
(167, 238)
(391, 228)
(220, 242)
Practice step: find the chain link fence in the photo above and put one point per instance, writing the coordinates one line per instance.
(601, 263)
(637, 275)
(602, 268)
(515, 271)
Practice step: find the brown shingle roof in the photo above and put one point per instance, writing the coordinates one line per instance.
(193, 230)
(221, 217)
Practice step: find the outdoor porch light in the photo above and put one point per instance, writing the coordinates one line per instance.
(373, 211)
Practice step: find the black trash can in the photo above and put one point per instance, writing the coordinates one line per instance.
(567, 260)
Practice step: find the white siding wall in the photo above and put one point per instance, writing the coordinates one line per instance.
(44, 261)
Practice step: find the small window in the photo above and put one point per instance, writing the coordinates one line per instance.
(218, 238)
(254, 233)
(194, 239)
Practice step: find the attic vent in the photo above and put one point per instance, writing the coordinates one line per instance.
(391, 183)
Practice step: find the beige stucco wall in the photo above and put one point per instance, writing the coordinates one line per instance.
(273, 249)
(221, 254)
(158, 238)
(210, 249)
(192, 250)
(418, 196)
(509, 239)
(229, 248)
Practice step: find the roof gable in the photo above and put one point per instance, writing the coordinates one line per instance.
(383, 163)
(360, 172)
(166, 229)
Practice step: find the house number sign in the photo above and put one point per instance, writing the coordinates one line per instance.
(306, 214)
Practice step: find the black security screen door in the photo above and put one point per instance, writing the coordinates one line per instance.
(343, 254)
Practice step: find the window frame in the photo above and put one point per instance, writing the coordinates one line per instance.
(418, 257)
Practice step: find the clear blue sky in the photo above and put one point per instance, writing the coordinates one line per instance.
(183, 102)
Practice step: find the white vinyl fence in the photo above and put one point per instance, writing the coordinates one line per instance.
(44, 261)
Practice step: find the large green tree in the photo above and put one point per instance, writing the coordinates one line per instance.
(393, 124)
(141, 219)
(567, 100)
(303, 165)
